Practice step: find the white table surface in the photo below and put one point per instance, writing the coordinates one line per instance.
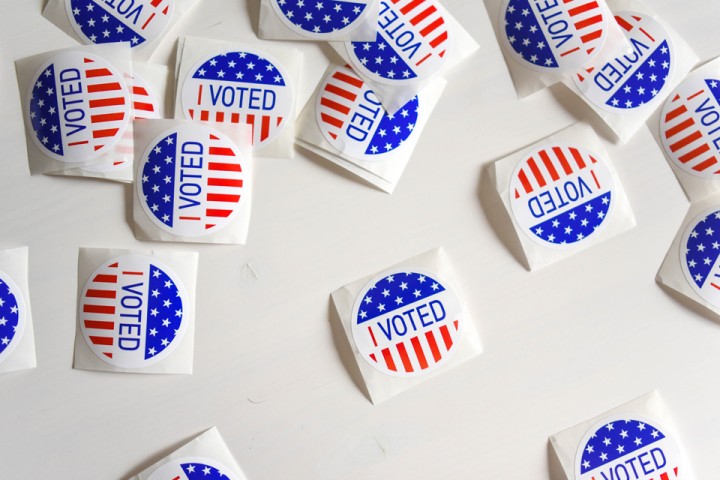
(561, 344)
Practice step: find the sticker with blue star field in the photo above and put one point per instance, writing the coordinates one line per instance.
(410, 46)
(690, 126)
(110, 21)
(699, 255)
(554, 35)
(78, 107)
(407, 322)
(634, 79)
(132, 311)
(193, 468)
(628, 448)
(240, 87)
(192, 180)
(561, 194)
(352, 119)
(12, 315)
(319, 19)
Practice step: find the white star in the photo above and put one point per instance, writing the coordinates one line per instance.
(153, 332)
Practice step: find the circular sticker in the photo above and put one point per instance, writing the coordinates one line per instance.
(132, 311)
(561, 195)
(112, 21)
(699, 254)
(352, 119)
(12, 315)
(689, 126)
(321, 19)
(552, 35)
(412, 38)
(637, 78)
(192, 180)
(627, 448)
(407, 322)
(240, 87)
(193, 468)
(78, 107)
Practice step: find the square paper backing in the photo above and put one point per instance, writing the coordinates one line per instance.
(14, 262)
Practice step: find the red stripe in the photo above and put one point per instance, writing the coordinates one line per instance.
(104, 309)
(107, 102)
(591, 36)
(216, 212)
(664, 476)
(388, 360)
(132, 273)
(97, 72)
(101, 340)
(430, 28)
(686, 141)
(355, 82)
(446, 337)
(588, 21)
(549, 165)
(81, 142)
(222, 151)
(684, 125)
(204, 115)
(404, 357)
(563, 160)
(108, 132)
(439, 39)
(647, 34)
(423, 15)
(419, 352)
(265, 129)
(155, 3)
(694, 153)
(199, 99)
(222, 197)
(224, 182)
(340, 92)
(104, 87)
(99, 325)
(592, 172)
(623, 23)
(696, 94)
(189, 218)
(147, 21)
(219, 117)
(570, 51)
(145, 107)
(675, 113)
(705, 164)
(107, 117)
(582, 8)
(433, 345)
(138, 90)
(410, 6)
(536, 172)
(578, 158)
(95, 293)
(372, 336)
(235, 118)
(331, 120)
(250, 120)
(102, 278)
(326, 102)
(423, 59)
(525, 182)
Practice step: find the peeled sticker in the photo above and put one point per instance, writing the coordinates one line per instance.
(12, 315)
(352, 119)
(410, 46)
(554, 36)
(628, 448)
(191, 180)
(78, 107)
(690, 126)
(321, 18)
(132, 311)
(110, 21)
(240, 87)
(193, 468)
(699, 255)
(634, 79)
(561, 194)
(407, 322)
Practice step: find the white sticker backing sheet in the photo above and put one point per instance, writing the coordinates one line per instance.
(406, 324)
(136, 311)
(17, 340)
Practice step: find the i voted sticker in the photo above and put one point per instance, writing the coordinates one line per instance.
(193, 468)
(629, 448)
(133, 311)
(352, 119)
(407, 322)
(631, 80)
(561, 194)
(78, 107)
(240, 87)
(554, 35)
(690, 126)
(12, 315)
(699, 255)
(412, 38)
(320, 19)
(110, 21)
(192, 180)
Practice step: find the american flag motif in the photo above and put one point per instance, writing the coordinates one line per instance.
(555, 35)
(700, 250)
(11, 316)
(319, 17)
(561, 194)
(690, 126)
(406, 323)
(79, 107)
(352, 119)
(411, 42)
(192, 181)
(131, 311)
(240, 87)
(193, 468)
(111, 21)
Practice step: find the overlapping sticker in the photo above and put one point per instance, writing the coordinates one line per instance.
(12, 315)
(352, 119)
(407, 322)
(132, 311)
(78, 107)
(321, 18)
(240, 87)
(699, 255)
(193, 468)
(628, 448)
(110, 21)
(634, 79)
(561, 194)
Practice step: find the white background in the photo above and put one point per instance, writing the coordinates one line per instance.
(561, 344)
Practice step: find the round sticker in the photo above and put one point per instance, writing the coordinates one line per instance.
(561, 195)
(411, 42)
(78, 107)
(552, 35)
(191, 180)
(699, 254)
(407, 322)
(112, 21)
(627, 448)
(637, 78)
(319, 19)
(12, 315)
(240, 87)
(689, 126)
(193, 468)
(132, 311)
(352, 119)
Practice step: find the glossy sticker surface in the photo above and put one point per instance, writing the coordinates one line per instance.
(320, 19)
(13, 315)
(699, 255)
(193, 468)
